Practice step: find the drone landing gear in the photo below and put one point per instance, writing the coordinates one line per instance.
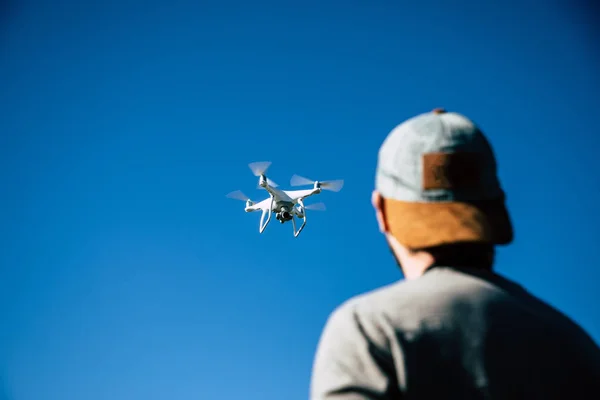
(266, 213)
(303, 213)
(297, 232)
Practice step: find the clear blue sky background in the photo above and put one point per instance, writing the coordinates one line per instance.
(126, 273)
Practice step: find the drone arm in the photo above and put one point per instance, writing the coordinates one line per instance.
(269, 189)
(252, 208)
(310, 193)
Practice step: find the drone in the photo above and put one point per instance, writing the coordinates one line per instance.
(285, 204)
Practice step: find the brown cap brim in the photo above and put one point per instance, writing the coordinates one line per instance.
(421, 225)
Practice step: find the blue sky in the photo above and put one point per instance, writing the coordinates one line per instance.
(126, 274)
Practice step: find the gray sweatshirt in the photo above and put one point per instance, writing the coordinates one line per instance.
(454, 333)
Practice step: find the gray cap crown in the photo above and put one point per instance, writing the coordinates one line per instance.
(404, 165)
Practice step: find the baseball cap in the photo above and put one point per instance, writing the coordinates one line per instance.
(437, 174)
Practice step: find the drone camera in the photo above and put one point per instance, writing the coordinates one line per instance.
(284, 215)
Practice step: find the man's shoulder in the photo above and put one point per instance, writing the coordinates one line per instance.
(445, 294)
(410, 305)
(398, 299)
(395, 292)
(395, 295)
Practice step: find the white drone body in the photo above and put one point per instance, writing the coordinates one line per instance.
(285, 204)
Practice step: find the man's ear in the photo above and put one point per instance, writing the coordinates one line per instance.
(377, 202)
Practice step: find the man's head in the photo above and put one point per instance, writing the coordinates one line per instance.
(437, 196)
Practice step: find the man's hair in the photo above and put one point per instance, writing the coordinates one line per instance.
(466, 254)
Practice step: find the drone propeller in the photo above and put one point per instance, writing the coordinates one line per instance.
(334, 186)
(315, 207)
(260, 168)
(238, 195)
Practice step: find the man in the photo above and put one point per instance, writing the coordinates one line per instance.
(453, 329)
